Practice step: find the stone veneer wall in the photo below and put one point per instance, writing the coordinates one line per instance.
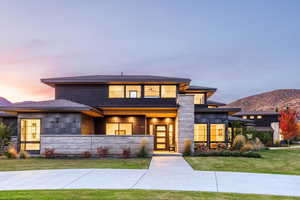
(185, 121)
(77, 144)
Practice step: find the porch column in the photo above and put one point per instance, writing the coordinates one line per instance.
(185, 121)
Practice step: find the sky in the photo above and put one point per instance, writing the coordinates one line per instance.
(240, 47)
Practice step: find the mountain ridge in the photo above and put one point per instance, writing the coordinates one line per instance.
(269, 101)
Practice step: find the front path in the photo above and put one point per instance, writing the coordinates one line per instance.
(165, 173)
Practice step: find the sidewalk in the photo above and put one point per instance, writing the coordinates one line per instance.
(164, 173)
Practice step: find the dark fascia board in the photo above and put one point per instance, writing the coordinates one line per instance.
(217, 110)
(105, 79)
(209, 102)
(48, 109)
(5, 114)
(232, 118)
(138, 106)
(256, 113)
(200, 88)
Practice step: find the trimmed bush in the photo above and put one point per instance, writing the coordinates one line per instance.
(143, 149)
(87, 154)
(24, 154)
(11, 153)
(102, 151)
(238, 142)
(126, 152)
(49, 153)
(229, 154)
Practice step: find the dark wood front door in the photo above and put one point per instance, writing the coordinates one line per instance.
(161, 138)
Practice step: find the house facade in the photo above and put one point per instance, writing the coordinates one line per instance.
(119, 112)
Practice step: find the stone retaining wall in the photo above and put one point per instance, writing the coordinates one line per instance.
(75, 145)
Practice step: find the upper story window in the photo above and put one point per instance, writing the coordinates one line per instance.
(244, 117)
(212, 106)
(152, 91)
(168, 91)
(116, 91)
(199, 98)
(133, 91)
(252, 117)
(259, 117)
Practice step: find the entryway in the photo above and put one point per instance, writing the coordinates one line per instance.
(30, 135)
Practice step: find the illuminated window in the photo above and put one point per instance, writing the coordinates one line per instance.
(252, 117)
(171, 135)
(116, 91)
(199, 98)
(133, 91)
(244, 117)
(259, 117)
(152, 91)
(217, 132)
(118, 129)
(200, 132)
(168, 91)
(30, 134)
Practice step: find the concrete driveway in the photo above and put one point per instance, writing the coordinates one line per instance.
(164, 173)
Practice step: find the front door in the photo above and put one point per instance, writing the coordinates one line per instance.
(161, 138)
(30, 135)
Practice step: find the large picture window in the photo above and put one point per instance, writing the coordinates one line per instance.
(116, 91)
(200, 132)
(199, 98)
(168, 91)
(133, 91)
(152, 91)
(217, 132)
(30, 134)
(118, 128)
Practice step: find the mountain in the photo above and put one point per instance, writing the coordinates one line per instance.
(269, 101)
(4, 102)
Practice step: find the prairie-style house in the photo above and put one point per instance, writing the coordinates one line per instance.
(121, 111)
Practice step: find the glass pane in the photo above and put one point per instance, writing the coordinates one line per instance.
(30, 147)
(126, 128)
(217, 132)
(152, 91)
(116, 91)
(133, 91)
(161, 146)
(171, 134)
(200, 132)
(160, 140)
(160, 128)
(168, 91)
(161, 134)
(199, 98)
(112, 128)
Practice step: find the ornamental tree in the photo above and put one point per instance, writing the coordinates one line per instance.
(288, 124)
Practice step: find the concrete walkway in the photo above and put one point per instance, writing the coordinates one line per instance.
(165, 173)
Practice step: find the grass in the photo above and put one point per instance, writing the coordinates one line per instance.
(42, 163)
(130, 194)
(273, 162)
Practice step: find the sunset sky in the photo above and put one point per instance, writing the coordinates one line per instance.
(240, 47)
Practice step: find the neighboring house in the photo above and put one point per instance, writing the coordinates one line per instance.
(121, 111)
(262, 119)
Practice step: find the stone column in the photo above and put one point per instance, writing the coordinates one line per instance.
(185, 121)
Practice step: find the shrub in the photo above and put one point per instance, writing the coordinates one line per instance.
(221, 147)
(238, 142)
(5, 137)
(187, 148)
(49, 153)
(24, 154)
(11, 153)
(229, 154)
(87, 154)
(102, 151)
(249, 146)
(258, 145)
(126, 152)
(201, 148)
(143, 150)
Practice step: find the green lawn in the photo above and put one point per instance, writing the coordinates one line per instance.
(130, 194)
(273, 161)
(42, 163)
